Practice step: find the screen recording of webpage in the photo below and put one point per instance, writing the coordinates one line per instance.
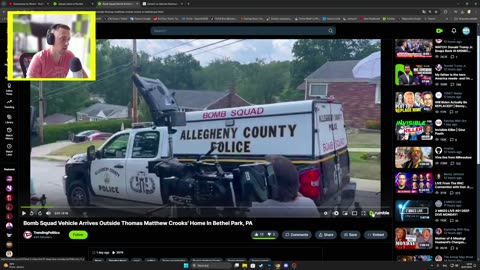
(160, 135)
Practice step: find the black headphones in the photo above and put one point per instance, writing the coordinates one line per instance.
(50, 35)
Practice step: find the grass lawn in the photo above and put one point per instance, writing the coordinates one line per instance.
(364, 140)
(77, 148)
(364, 169)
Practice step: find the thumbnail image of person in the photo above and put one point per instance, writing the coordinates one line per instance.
(425, 241)
(415, 159)
(400, 238)
(421, 177)
(421, 186)
(419, 47)
(409, 45)
(286, 199)
(427, 101)
(414, 186)
(401, 46)
(427, 134)
(418, 100)
(402, 182)
(439, 176)
(54, 61)
(406, 78)
(399, 102)
(428, 187)
(409, 100)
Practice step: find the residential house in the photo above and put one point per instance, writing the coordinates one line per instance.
(58, 118)
(198, 100)
(188, 100)
(103, 111)
(360, 97)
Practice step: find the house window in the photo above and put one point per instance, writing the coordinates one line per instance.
(378, 94)
(319, 90)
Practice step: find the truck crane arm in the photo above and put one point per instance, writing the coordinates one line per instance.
(160, 101)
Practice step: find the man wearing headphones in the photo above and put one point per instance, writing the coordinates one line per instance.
(54, 61)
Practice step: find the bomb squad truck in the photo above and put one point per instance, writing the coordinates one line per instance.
(143, 166)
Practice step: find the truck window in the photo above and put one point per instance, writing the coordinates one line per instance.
(116, 148)
(145, 144)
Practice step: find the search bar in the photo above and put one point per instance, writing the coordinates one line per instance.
(211, 265)
(243, 30)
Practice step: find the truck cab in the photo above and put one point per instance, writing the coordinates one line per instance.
(119, 169)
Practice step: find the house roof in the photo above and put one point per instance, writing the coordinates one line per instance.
(335, 71)
(197, 99)
(301, 86)
(58, 118)
(105, 110)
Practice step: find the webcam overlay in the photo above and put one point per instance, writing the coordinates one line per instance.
(51, 46)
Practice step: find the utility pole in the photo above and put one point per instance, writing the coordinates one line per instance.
(134, 89)
(40, 111)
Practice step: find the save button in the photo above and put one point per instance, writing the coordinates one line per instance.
(78, 235)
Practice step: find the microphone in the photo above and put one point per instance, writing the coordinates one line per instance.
(76, 67)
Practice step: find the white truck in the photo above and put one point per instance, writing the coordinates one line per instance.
(310, 133)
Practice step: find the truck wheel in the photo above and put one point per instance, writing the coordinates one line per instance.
(78, 196)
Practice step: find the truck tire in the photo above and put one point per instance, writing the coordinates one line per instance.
(78, 196)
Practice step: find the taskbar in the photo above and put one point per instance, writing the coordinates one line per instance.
(173, 264)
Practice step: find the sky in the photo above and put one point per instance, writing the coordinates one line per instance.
(243, 51)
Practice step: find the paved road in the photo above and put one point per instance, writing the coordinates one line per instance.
(44, 150)
(368, 192)
(47, 177)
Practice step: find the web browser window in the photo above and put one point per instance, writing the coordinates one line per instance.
(207, 135)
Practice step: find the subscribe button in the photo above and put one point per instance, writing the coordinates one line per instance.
(78, 235)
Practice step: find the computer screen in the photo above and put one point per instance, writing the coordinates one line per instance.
(240, 135)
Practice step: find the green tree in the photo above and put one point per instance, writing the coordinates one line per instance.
(178, 70)
(60, 97)
(291, 94)
(218, 75)
(114, 71)
(262, 83)
(310, 54)
(144, 114)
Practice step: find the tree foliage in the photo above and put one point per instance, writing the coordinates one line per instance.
(311, 54)
(258, 82)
